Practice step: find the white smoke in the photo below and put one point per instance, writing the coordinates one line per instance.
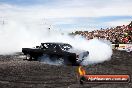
(15, 35)
(54, 61)
(23, 27)
(99, 51)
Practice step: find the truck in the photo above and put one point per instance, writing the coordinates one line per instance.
(56, 51)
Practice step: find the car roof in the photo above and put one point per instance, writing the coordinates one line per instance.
(58, 43)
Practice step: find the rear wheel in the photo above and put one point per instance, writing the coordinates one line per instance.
(71, 60)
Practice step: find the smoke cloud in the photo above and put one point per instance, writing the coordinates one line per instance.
(18, 34)
(99, 51)
(47, 60)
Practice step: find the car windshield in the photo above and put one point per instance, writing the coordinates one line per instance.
(65, 47)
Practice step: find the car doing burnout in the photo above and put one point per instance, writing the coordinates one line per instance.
(56, 51)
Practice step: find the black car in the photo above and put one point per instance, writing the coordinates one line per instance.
(55, 51)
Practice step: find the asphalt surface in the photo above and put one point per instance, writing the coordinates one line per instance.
(17, 73)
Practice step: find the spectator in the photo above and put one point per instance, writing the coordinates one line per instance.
(119, 34)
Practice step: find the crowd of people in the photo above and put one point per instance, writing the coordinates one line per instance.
(119, 34)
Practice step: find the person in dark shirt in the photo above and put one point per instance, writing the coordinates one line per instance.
(116, 43)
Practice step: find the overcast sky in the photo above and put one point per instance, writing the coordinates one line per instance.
(69, 14)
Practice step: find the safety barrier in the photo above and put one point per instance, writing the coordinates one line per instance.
(127, 47)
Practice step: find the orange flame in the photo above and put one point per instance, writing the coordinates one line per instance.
(81, 71)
